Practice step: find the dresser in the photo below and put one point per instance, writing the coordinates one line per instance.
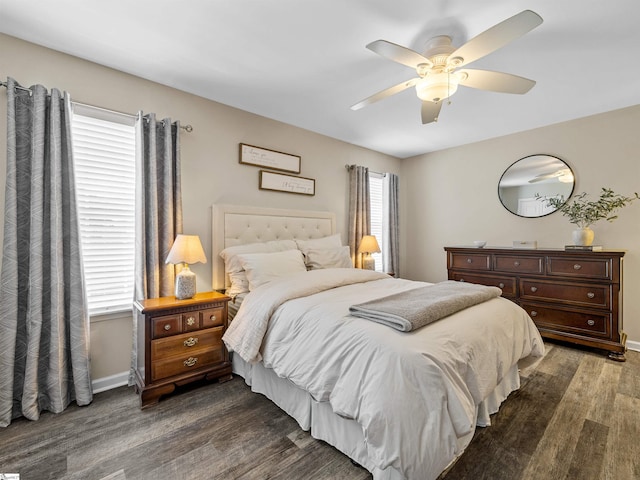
(575, 296)
(180, 341)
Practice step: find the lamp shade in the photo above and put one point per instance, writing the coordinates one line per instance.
(369, 244)
(186, 249)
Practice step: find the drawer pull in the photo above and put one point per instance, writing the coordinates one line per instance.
(534, 289)
(516, 263)
(577, 266)
(591, 323)
(501, 285)
(167, 327)
(591, 294)
(190, 362)
(212, 318)
(190, 342)
(462, 279)
(469, 260)
(534, 313)
(191, 321)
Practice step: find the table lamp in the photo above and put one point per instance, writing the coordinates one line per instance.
(186, 249)
(368, 245)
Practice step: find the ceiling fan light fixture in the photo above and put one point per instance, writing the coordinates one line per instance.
(436, 87)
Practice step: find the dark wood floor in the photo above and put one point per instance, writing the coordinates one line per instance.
(577, 416)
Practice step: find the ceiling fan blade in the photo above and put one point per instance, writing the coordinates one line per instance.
(398, 53)
(546, 176)
(385, 93)
(430, 111)
(496, 81)
(497, 36)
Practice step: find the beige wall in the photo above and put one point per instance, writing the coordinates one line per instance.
(451, 196)
(210, 169)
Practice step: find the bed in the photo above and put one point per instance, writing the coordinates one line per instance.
(403, 404)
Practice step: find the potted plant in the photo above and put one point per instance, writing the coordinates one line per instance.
(583, 213)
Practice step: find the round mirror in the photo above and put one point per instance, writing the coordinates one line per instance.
(531, 177)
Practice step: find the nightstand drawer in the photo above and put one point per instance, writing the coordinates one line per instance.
(166, 325)
(598, 268)
(212, 317)
(186, 343)
(570, 320)
(506, 284)
(470, 261)
(186, 363)
(513, 264)
(577, 294)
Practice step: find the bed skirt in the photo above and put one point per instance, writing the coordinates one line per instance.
(344, 434)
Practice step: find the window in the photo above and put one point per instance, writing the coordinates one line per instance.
(376, 181)
(104, 146)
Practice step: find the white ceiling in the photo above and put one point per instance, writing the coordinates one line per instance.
(304, 62)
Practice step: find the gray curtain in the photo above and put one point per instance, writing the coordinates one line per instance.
(158, 210)
(359, 210)
(44, 321)
(390, 227)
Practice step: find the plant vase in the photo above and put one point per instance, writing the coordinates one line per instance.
(583, 236)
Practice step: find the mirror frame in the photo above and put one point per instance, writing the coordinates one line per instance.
(541, 171)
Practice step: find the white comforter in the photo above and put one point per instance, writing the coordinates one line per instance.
(414, 393)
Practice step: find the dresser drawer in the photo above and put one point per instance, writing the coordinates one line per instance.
(190, 321)
(212, 317)
(518, 264)
(598, 268)
(570, 320)
(186, 343)
(186, 363)
(595, 295)
(506, 284)
(166, 325)
(471, 261)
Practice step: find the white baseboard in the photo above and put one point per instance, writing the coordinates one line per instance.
(112, 381)
(631, 345)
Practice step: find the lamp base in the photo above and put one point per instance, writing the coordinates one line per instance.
(368, 262)
(185, 284)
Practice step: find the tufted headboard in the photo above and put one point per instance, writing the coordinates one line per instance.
(241, 224)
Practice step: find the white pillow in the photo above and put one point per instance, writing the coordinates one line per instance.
(316, 243)
(262, 268)
(230, 254)
(239, 283)
(336, 257)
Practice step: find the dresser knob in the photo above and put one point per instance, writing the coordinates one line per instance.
(212, 318)
(591, 323)
(501, 285)
(190, 362)
(461, 280)
(516, 263)
(591, 294)
(469, 260)
(190, 342)
(577, 266)
(534, 313)
(191, 321)
(534, 289)
(167, 327)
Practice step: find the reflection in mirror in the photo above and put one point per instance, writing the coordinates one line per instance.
(535, 175)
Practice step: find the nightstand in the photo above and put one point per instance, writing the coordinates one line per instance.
(180, 341)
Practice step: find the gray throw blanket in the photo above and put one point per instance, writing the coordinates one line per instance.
(406, 311)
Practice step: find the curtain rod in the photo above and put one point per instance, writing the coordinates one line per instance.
(186, 128)
(348, 167)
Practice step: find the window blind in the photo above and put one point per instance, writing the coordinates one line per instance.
(104, 156)
(375, 200)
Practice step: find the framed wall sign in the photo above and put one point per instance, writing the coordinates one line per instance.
(286, 183)
(263, 157)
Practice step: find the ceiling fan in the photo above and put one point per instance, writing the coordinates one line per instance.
(563, 175)
(438, 69)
